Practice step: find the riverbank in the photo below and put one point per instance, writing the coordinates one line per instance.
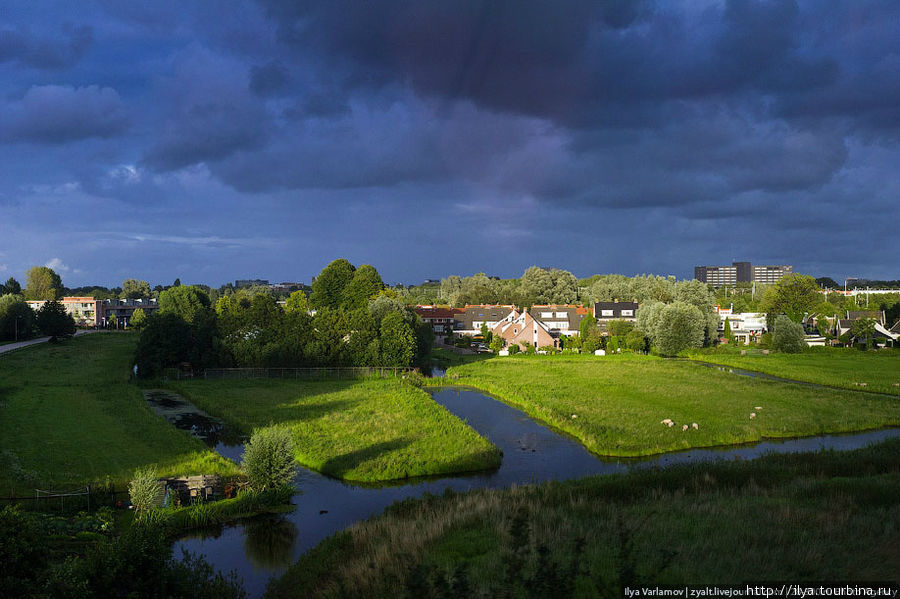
(69, 416)
(870, 371)
(616, 405)
(366, 430)
(819, 516)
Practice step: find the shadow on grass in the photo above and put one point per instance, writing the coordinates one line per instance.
(340, 465)
(312, 411)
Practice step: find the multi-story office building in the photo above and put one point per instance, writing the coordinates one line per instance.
(740, 272)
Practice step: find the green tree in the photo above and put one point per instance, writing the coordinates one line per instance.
(138, 319)
(53, 320)
(496, 344)
(297, 302)
(793, 295)
(42, 283)
(135, 289)
(788, 336)
(729, 337)
(328, 288)
(23, 553)
(619, 328)
(364, 286)
(398, 341)
(586, 327)
(165, 342)
(679, 326)
(268, 459)
(16, 318)
(863, 329)
(12, 287)
(634, 340)
(187, 301)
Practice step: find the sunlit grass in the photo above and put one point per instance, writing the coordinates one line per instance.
(836, 367)
(68, 415)
(615, 404)
(362, 430)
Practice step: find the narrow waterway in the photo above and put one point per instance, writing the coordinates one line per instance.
(262, 548)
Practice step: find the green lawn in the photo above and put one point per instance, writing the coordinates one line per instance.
(363, 430)
(836, 367)
(803, 517)
(68, 415)
(614, 404)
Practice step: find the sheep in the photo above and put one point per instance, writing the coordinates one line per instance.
(670, 424)
(574, 415)
(667, 421)
(696, 426)
(752, 415)
(758, 408)
(684, 428)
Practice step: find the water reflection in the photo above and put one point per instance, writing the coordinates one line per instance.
(269, 541)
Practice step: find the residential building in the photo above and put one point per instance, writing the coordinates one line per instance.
(469, 320)
(745, 326)
(741, 272)
(441, 318)
(523, 329)
(85, 311)
(123, 310)
(560, 319)
(607, 311)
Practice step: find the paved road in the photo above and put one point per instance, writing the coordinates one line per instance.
(14, 346)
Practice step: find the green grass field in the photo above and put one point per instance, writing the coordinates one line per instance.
(364, 430)
(614, 404)
(68, 415)
(835, 367)
(803, 517)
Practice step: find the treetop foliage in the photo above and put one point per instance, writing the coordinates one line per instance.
(42, 283)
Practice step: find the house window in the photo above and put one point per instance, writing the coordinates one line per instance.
(627, 312)
(608, 313)
(546, 314)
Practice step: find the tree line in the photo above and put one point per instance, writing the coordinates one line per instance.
(349, 319)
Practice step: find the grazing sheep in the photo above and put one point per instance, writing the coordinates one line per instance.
(696, 426)
(752, 414)
(758, 408)
(862, 384)
(684, 428)
(670, 423)
(897, 384)
(574, 415)
(667, 421)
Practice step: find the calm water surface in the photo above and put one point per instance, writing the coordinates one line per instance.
(262, 548)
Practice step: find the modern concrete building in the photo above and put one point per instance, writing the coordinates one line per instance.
(123, 309)
(741, 272)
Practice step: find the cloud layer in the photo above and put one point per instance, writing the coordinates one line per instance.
(615, 136)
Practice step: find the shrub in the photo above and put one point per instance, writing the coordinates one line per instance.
(23, 551)
(144, 490)
(514, 349)
(788, 336)
(268, 459)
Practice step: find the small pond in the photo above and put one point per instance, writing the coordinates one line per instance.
(262, 548)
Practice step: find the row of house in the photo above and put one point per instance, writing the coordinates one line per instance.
(540, 326)
(90, 312)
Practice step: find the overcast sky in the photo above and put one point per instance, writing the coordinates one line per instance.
(219, 140)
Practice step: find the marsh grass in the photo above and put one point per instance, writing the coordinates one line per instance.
(834, 367)
(821, 516)
(68, 415)
(619, 402)
(363, 430)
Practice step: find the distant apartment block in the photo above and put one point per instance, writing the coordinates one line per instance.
(86, 311)
(740, 272)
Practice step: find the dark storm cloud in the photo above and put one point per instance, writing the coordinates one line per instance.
(58, 52)
(268, 79)
(53, 114)
(211, 113)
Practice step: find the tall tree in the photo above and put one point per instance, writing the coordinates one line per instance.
(788, 336)
(398, 341)
(794, 296)
(297, 302)
(328, 288)
(187, 301)
(16, 318)
(42, 283)
(12, 287)
(53, 320)
(678, 326)
(365, 285)
(135, 289)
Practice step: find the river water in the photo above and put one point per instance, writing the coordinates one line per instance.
(262, 548)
